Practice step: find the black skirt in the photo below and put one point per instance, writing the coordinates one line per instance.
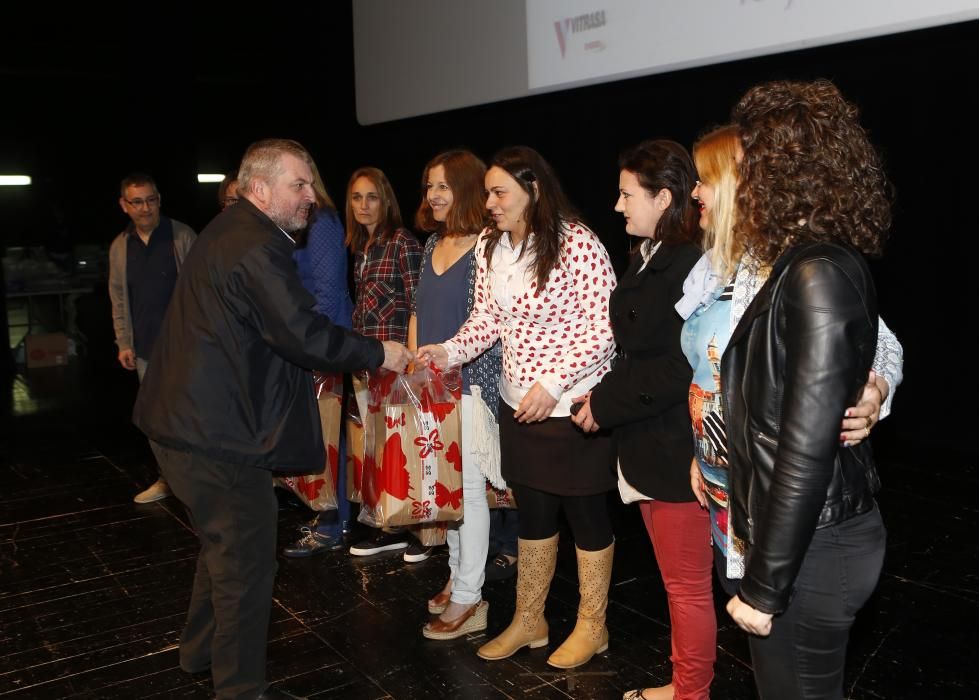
(555, 456)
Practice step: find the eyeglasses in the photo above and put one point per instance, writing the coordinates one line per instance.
(228, 201)
(150, 202)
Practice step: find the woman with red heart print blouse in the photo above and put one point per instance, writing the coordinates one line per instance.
(542, 288)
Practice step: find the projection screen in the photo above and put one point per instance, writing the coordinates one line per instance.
(415, 57)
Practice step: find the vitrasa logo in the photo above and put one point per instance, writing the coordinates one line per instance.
(581, 23)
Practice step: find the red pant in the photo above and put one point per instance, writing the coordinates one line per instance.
(680, 533)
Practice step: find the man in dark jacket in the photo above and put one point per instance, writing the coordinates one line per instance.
(229, 397)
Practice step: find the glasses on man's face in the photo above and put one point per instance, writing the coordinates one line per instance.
(228, 201)
(150, 202)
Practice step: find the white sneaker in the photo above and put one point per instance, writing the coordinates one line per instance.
(158, 491)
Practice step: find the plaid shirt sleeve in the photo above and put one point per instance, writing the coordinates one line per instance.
(409, 263)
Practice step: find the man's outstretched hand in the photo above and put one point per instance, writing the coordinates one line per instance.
(396, 356)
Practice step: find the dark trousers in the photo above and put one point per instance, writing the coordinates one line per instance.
(504, 527)
(804, 655)
(587, 515)
(235, 513)
(332, 522)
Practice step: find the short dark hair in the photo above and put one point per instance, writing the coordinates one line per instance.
(662, 164)
(229, 177)
(137, 180)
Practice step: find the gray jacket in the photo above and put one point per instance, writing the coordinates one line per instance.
(122, 322)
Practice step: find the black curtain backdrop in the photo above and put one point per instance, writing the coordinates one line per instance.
(184, 93)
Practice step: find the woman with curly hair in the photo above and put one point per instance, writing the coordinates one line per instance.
(812, 199)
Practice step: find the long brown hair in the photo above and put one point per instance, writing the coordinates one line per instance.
(464, 174)
(546, 214)
(389, 216)
(809, 171)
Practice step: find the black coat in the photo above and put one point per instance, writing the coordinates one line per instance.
(228, 375)
(799, 356)
(644, 396)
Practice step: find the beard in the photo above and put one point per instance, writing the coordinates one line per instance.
(288, 217)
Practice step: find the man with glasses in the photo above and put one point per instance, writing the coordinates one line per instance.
(143, 264)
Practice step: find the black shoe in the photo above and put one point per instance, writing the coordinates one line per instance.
(382, 542)
(312, 543)
(277, 694)
(195, 668)
(500, 568)
(417, 552)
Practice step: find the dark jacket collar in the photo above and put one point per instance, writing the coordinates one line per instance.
(660, 261)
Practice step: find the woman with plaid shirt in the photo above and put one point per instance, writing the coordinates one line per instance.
(387, 258)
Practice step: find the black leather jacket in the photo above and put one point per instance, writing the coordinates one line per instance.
(797, 359)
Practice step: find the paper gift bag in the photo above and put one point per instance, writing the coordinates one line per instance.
(499, 498)
(356, 441)
(412, 473)
(430, 535)
(319, 491)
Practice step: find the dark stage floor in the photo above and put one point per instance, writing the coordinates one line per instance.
(93, 588)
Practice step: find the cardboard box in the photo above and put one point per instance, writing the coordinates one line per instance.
(46, 350)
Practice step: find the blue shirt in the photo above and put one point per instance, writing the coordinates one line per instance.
(441, 302)
(151, 273)
(322, 267)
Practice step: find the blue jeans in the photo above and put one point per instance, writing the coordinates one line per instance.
(332, 522)
(804, 655)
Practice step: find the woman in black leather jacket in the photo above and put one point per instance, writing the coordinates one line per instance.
(812, 198)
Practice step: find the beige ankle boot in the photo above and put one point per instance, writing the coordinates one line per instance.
(590, 636)
(535, 569)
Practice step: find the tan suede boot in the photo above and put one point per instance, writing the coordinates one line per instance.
(590, 636)
(536, 560)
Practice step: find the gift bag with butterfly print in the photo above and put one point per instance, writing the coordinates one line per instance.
(319, 491)
(357, 438)
(412, 471)
(499, 498)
